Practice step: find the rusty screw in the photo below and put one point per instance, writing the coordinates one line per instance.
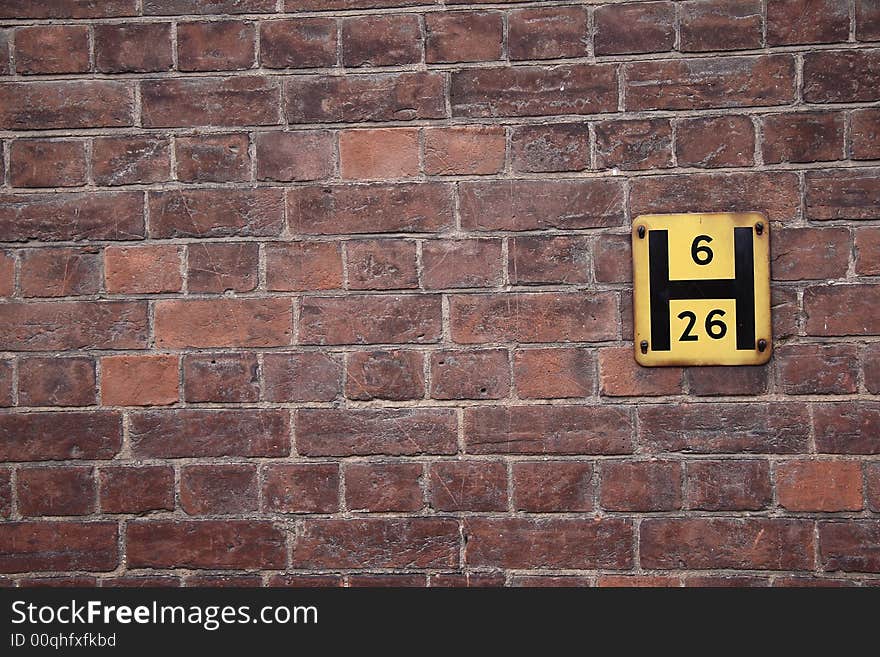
(641, 232)
(643, 345)
(759, 228)
(762, 345)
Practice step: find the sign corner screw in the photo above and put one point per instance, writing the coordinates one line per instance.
(641, 232)
(643, 345)
(759, 228)
(762, 345)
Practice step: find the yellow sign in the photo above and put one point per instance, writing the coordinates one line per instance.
(702, 289)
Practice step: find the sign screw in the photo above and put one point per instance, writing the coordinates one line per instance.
(641, 232)
(762, 345)
(759, 228)
(643, 345)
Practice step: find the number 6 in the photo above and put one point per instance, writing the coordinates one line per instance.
(697, 251)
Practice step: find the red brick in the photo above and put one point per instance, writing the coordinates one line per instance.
(547, 33)
(60, 436)
(867, 21)
(803, 137)
(226, 544)
(819, 485)
(142, 269)
(370, 319)
(140, 582)
(721, 25)
(468, 486)
(838, 310)
(550, 581)
(872, 486)
(870, 369)
(621, 376)
(634, 28)
(548, 430)
(552, 486)
(522, 90)
(847, 194)
(229, 378)
(461, 263)
(612, 259)
(66, 105)
(56, 382)
(849, 427)
(377, 543)
(818, 369)
(324, 5)
(727, 381)
(210, 101)
(133, 47)
(68, 9)
(824, 582)
(393, 579)
(223, 323)
(463, 36)
(865, 134)
(57, 582)
(298, 43)
(47, 163)
(791, 22)
(385, 431)
(301, 488)
(810, 253)
(467, 580)
(60, 272)
(394, 375)
(554, 373)
(215, 46)
(850, 546)
(306, 376)
(641, 486)
(7, 274)
(48, 49)
(216, 212)
(728, 485)
(199, 433)
(715, 142)
(550, 148)
(383, 487)
(381, 40)
(47, 545)
(56, 491)
(136, 489)
(147, 380)
(478, 374)
(6, 376)
(464, 150)
(343, 209)
(305, 581)
(130, 160)
(841, 76)
(172, 7)
(304, 266)
(379, 153)
(640, 581)
(216, 268)
(549, 543)
(223, 581)
(218, 489)
(770, 428)
(634, 144)
(213, 158)
(718, 581)
(294, 156)
(381, 264)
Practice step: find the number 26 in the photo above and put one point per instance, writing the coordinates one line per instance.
(715, 328)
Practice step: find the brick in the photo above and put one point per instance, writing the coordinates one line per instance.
(48, 545)
(640, 581)
(66, 105)
(547, 33)
(720, 25)
(837, 310)
(174, 7)
(370, 319)
(737, 544)
(56, 491)
(216, 213)
(523, 90)
(776, 428)
(215, 46)
(810, 253)
(304, 266)
(847, 427)
(554, 373)
(552, 486)
(612, 258)
(148, 380)
(136, 489)
(621, 376)
(383, 487)
(381, 264)
(461, 263)
(71, 325)
(130, 160)
(468, 486)
(635, 144)
(381, 40)
(865, 134)
(301, 488)
(133, 47)
(818, 369)
(379, 153)
(295, 156)
(717, 581)
(298, 43)
(478, 374)
(216, 268)
(819, 485)
(550, 581)
(344, 209)
(467, 580)
(549, 543)
(142, 269)
(140, 582)
(215, 544)
(548, 430)
(867, 252)
(218, 489)
(60, 436)
(7, 274)
(634, 28)
(305, 581)
(849, 546)
(872, 485)
(728, 485)
(464, 150)
(727, 381)
(723, 141)
(394, 579)
(791, 22)
(871, 372)
(60, 272)
(377, 543)
(47, 163)
(842, 194)
(533, 317)
(841, 76)
(223, 323)
(867, 21)
(56, 382)
(709, 83)
(210, 101)
(803, 137)
(223, 581)
(824, 582)
(201, 433)
(307, 376)
(641, 486)
(324, 5)
(224, 378)
(55, 582)
(68, 9)
(386, 431)
(6, 377)
(355, 98)
(50, 49)
(213, 158)
(463, 36)
(394, 375)
(550, 148)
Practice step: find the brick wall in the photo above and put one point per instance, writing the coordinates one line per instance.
(338, 292)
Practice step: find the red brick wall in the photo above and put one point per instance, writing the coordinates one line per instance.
(338, 292)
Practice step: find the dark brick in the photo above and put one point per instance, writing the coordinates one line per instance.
(847, 427)
(641, 486)
(720, 25)
(66, 105)
(463, 36)
(381, 264)
(381, 40)
(636, 144)
(306, 376)
(56, 382)
(60, 272)
(383, 487)
(837, 310)
(294, 156)
(216, 268)
(542, 260)
(850, 546)
(461, 263)
(723, 141)
(550, 148)
(51, 49)
(298, 43)
(133, 47)
(136, 489)
(634, 27)
(370, 319)
(229, 378)
(477, 374)
(48, 545)
(56, 491)
(213, 158)
(468, 486)
(803, 137)
(791, 22)
(728, 485)
(218, 489)
(865, 134)
(131, 160)
(849, 194)
(547, 33)
(215, 46)
(554, 373)
(210, 101)
(301, 488)
(216, 213)
(303, 266)
(47, 163)
(393, 375)
(810, 253)
(552, 486)
(841, 76)
(724, 381)
(817, 369)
